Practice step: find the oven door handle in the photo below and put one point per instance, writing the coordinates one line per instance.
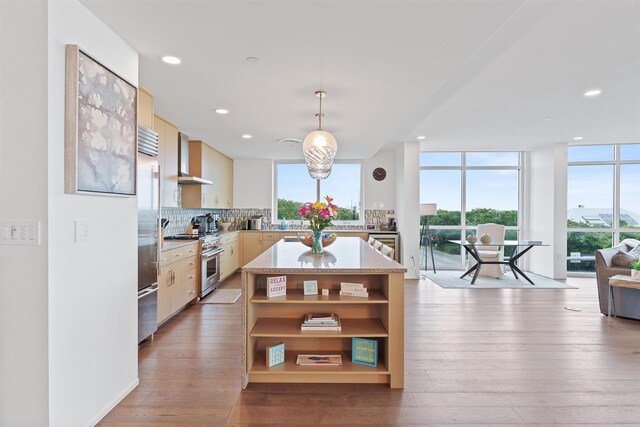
(207, 255)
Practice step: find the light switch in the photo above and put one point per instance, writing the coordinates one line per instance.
(19, 232)
(82, 230)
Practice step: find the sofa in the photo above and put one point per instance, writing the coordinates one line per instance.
(627, 301)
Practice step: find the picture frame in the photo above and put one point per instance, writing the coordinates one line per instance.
(310, 287)
(100, 130)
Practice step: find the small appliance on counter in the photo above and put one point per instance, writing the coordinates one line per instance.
(256, 222)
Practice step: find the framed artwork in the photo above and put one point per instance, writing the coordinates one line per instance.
(100, 128)
(310, 287)
(364, 351)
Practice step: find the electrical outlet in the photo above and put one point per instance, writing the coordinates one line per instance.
(81, 230)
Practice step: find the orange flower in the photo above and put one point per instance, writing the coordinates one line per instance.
(328, 199)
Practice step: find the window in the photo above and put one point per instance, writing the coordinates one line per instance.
(603, 208)
(294, 187)
(470, 188)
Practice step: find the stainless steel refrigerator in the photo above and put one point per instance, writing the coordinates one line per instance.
(148, 192)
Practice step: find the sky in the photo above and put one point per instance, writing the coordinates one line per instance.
(496, 189)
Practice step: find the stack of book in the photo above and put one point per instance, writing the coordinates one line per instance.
(321, 322)
(353, 290)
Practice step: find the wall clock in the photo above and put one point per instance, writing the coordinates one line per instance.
(379, 174)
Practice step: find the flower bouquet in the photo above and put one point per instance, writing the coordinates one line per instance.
(319, 216)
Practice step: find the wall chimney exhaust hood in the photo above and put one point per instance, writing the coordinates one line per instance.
(183, 163)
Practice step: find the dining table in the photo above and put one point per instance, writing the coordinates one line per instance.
(521, 247)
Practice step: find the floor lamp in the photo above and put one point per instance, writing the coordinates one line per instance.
(427, 210)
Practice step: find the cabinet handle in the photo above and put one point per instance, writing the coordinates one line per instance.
(173, 274)
(203, 198)
(192, 276)
(180, 254)
(231, 251)
(192, 263)
(192, 292)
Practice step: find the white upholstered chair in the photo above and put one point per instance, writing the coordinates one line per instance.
(490, 253)
(371, 241)
(388, 251)
(377, 245)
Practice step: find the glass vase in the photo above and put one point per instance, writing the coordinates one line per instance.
(316, 247)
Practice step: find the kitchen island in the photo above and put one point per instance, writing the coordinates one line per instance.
(272, 320)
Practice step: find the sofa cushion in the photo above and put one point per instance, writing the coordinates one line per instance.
(623, 259)
(635, 252)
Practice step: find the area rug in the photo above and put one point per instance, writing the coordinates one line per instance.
(451, 279)
(222, 296)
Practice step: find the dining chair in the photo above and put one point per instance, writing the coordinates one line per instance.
(387, 251)
(377, 245)
(371, 241)
(495, 252)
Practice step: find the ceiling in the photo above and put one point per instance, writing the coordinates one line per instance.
(469, 75)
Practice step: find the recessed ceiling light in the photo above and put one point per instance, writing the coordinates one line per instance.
(421, 137)
(246, 136)
(592, 93)
(252, 59)
(578, 138)
(222, 111)
(171, 60)
(548, 118)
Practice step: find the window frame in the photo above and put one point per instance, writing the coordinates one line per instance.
(463, 168)
(615, 228)
(274, 196)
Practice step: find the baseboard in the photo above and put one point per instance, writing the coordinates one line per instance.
(113, 403)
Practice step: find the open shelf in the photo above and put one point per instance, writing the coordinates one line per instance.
(296, 296)
(290, 328)
(289, 366)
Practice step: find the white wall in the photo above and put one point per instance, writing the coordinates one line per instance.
(23, 196)
(92, 284)
(546, 209)
(407, 205)
(380, 191)
(252, 183)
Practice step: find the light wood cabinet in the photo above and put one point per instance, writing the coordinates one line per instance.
(269, 239)
(214, 166)
(168, 159)
(251, 246)
(178, 281)
(145, 108)
(230, 258)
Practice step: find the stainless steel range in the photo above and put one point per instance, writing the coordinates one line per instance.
(210, 264)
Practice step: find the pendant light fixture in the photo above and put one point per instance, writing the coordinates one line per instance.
(319, 148)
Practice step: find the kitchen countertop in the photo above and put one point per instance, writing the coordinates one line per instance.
(174, 244)
(345, 255)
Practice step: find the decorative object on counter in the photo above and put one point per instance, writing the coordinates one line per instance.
(319, 147)
(310, 287)
(327, 239)
(364, 351)
(276, 286)
(319, 216)
(485, 239)
(325, 292)
(427, 210)
(225, 224)
(100, 130)
(472, 239)
(275, 354)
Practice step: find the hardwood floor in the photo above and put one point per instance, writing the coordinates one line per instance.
(481, 357)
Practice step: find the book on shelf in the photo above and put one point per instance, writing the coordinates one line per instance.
(332, 325)
(275, 354)
(364, 351)
(363, 294)
(345, 286)
(276, 286)
(319, 360)
(321, 318)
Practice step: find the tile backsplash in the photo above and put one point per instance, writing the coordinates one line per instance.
(180, 218)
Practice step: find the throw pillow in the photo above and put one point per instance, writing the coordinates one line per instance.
(635, 252)
(623, 259)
